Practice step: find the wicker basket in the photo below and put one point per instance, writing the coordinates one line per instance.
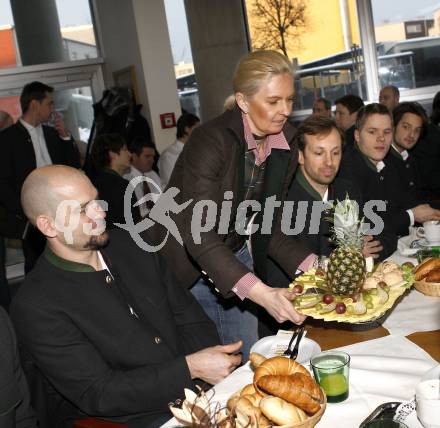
(428, 288)
(313, 420)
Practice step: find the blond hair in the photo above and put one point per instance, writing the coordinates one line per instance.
(255, 68)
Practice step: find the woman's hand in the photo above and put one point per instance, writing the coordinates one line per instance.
(276, 301)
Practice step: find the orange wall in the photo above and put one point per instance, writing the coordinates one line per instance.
(8, 57)
(11, 105)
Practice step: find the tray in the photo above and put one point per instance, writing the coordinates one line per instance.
(374, 314)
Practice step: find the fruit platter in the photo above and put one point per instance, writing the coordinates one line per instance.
(321, 297)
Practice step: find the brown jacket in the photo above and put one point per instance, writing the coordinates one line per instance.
(212, 163)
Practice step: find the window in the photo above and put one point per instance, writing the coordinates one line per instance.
(68, 34)
(182, 56)
(322, 39)
(408, 42)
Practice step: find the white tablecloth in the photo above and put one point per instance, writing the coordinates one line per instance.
(382, 370)
(416, 312)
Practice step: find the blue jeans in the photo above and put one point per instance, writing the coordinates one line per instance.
(235, 319)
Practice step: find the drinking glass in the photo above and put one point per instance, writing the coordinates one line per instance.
(331, 370)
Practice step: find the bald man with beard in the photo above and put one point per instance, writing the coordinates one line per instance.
(104, 322)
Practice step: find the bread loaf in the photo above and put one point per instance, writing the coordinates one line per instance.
(298, 389)
(426, 267)
(280, 411)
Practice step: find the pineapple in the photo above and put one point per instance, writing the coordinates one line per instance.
(346, 265)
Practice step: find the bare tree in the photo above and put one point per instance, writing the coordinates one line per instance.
(277, 23)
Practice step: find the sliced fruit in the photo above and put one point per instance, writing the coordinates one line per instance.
(307, 303)
(359, 308)
(382, 295)
(327, 308)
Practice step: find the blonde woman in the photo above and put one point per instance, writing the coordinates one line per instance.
(246, 154)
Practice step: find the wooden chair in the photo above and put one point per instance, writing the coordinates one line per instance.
(96, 423)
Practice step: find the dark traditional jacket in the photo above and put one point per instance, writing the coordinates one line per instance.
(382, 186)
(306, 199)
(100, 357)
(17, 161)
(15, 408)
(409, 175)
(111, 188)
(427, 152)
(212, 163)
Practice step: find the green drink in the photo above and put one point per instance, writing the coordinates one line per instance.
(331, 369)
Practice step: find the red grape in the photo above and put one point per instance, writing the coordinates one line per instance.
(340, 308)
(327, 299)
(298, 289)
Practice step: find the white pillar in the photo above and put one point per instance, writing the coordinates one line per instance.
(158, 68)
(135, 32)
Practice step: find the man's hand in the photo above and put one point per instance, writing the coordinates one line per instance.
(424, 212)
(276, 301)
(371, 247)
(215, 363)
(60, 126)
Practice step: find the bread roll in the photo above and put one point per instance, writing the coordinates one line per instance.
(433, 275)
(298, 389)
(278, 366)
(246, 408)
(232, 402)
(248, 389)
(425, 267)
(280, 411)
(254, 398)
(256, 359)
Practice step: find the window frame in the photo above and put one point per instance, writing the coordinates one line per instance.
(368, 45)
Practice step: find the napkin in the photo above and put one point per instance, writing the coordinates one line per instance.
(408, 245)
(406, 316)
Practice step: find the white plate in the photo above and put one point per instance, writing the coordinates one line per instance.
(307, 348)
(424, 243)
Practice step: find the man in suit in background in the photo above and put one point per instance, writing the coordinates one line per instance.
(410, 121)
(25, 146)
(365, 165)
(389, 97)
(322, 107)
(142, 159)
(346, 111)
(105, 321)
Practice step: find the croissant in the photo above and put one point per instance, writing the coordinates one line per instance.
(298, 389)
(433, 275)
(426, 267)
(278, 366)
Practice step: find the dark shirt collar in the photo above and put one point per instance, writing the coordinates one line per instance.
(67, 265)
(303, 182)
(370, 164)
